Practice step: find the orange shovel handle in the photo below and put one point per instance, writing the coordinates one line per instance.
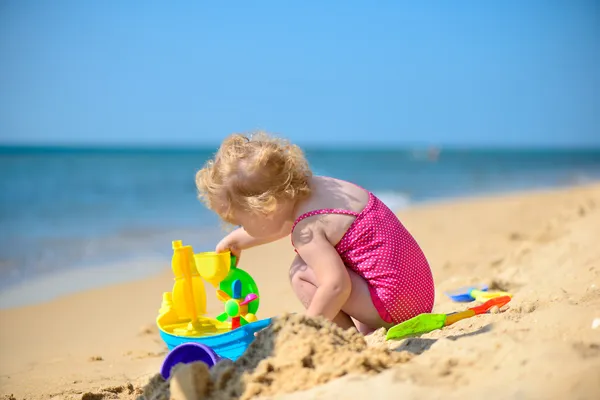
(497, 301)
(482, 309)
(452, 318)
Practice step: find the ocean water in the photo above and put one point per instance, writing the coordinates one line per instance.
(66, 209)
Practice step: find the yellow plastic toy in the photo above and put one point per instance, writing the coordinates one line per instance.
(213, 267)
(183, 310)
(181, 317)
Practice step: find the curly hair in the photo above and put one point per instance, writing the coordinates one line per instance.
(253, 173)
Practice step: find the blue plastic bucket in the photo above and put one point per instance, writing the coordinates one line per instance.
(187, 353)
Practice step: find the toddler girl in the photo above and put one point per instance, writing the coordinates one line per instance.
(356, 264)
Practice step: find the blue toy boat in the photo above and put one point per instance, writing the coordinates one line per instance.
(231, 344)
(182, 316)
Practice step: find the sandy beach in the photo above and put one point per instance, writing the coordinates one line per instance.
(541, 246)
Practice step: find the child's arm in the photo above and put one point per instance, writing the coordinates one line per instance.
(334, 282)
(239, 240)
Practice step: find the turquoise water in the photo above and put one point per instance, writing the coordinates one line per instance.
(73, 208)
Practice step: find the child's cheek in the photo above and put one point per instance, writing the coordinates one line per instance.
(267, 226)
(257, 229)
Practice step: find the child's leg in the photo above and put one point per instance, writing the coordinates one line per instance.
(359, 305)
(305, 290)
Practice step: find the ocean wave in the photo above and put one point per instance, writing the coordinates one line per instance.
(394, 200)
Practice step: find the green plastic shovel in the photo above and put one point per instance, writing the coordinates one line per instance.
(424, 323)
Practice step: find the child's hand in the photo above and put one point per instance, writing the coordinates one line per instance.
(229, 244)
(238, 240)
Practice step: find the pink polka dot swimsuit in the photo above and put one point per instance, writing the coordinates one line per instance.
(379, 249)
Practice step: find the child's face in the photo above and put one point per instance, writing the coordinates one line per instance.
(277, 223)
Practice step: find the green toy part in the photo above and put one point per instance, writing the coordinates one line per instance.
(232, 308)
(248, 286)
(417, 325)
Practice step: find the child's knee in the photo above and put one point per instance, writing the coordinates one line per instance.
(301, 281)
(297, 270)
(295, 281)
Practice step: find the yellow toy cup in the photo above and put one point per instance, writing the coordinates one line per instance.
(213, 267)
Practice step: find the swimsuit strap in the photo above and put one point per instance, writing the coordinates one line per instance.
(324, 211)
(335, 211)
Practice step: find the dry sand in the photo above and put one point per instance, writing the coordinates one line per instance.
(544, 247)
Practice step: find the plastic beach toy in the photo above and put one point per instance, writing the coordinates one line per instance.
(187, 353)
(183, 310)
(182, 316)
(463, 294)
(477, 293)
(248, 286)
(236, 308)
(214, 267)
(424, 323)
(227, 344)
(482, 296)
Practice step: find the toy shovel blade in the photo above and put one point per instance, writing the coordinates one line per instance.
(464, 294)
(418, 325)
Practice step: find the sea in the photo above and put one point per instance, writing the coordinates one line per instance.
(67, 211)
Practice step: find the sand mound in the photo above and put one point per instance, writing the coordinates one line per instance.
(294, 353)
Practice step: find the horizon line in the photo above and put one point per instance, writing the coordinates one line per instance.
(158, 147)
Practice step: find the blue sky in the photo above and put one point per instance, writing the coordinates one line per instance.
(464, 73)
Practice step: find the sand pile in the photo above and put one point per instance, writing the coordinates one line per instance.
(294, 353)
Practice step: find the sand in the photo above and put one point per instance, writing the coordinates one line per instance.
(541, 246)
(294, 353)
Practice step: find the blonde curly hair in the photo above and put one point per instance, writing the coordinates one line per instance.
(253, 173)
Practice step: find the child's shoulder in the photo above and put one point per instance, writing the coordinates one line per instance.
(330, 209)
(335, 194)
